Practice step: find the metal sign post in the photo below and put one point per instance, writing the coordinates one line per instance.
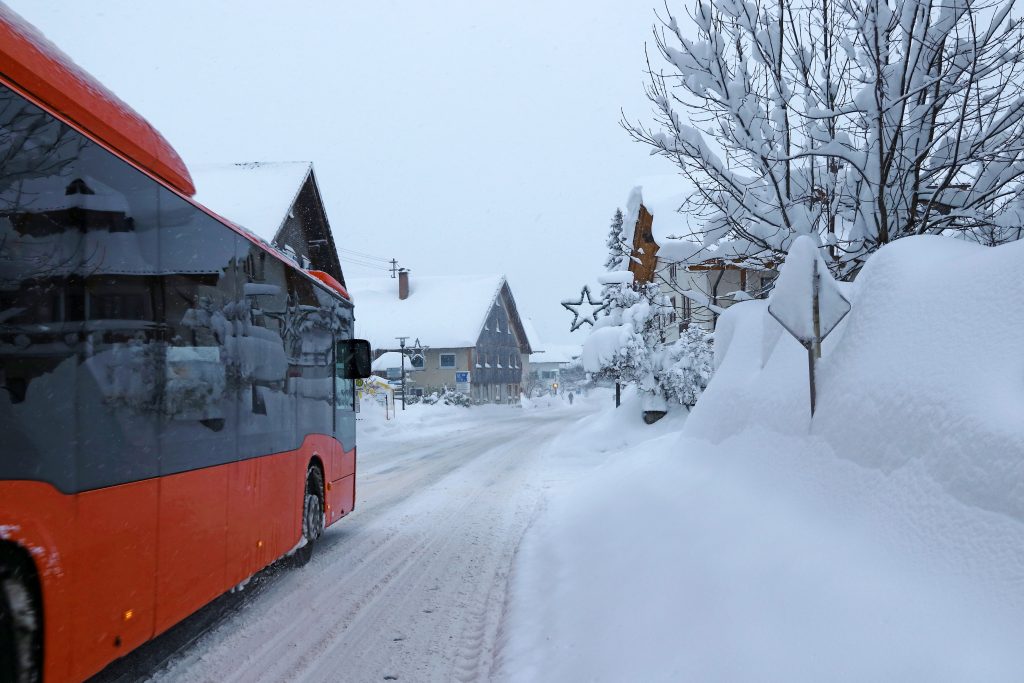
(811, 339)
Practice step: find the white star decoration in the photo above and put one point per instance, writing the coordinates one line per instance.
(584, 310)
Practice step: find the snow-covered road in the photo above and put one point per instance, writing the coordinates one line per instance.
(412, 585)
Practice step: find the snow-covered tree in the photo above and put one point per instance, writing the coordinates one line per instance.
(858, 121)
(627, 343)
(686, 366)
(623, 342)
(618, 247)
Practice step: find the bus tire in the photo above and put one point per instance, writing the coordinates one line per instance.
(19, 626)
(312, 514)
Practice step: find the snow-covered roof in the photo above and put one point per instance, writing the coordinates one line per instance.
(557, 353)
(255, 195)
(662, 196)
(531, 335)
(677, 240)
(442, 311)
(391, 359)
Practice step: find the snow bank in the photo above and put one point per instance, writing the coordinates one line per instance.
(676, 562)
(884, 540)
(927, 370)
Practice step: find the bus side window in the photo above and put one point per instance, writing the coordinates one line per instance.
(266, 327)
(310, 356)
(200, 397)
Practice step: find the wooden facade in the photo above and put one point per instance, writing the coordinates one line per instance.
(643, 259)
(307, 231)
(497, 359)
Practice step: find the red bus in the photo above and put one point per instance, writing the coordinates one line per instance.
(177, 403)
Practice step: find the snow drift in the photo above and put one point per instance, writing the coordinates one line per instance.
(882, 540)
(928, 368)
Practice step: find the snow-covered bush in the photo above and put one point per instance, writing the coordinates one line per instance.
(447, 397)
(456, 398)
(686, 367)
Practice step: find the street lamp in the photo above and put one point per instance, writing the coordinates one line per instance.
(401, 344)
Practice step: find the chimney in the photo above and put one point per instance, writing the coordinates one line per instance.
(403, 284)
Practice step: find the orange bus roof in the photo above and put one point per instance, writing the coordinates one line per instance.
(36, 66)
(329, 280)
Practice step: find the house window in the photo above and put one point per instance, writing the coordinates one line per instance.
(512, 360)
(672, 275)
(672, 315)
(497, 324)
(447, 360)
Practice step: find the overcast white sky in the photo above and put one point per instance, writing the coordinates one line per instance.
(459, 137)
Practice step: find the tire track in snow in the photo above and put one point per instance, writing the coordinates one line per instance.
(413, 590)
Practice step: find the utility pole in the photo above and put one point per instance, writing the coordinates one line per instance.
(401, 344)
(394, 268)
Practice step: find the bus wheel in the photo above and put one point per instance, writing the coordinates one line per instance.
(312, 514)
(19, 655)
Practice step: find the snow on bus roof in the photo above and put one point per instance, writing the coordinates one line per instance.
(444, 312)
(255, 195)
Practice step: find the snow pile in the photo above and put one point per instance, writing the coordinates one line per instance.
(884, 540)
(926, 371)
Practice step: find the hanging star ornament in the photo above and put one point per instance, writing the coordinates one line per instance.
(584, 310)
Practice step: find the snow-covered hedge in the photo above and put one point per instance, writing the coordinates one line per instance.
(448, 397)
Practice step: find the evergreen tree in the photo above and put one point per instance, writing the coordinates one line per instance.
(617, 245)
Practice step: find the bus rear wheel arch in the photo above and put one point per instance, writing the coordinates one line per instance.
(20, 617)
(313, 506)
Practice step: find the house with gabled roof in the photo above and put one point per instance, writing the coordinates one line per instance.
(698, 282)
(469, 325)
(279, 202)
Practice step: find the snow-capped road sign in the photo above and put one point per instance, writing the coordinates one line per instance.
(807, 302)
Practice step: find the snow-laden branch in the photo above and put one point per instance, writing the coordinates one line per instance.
(852, 120)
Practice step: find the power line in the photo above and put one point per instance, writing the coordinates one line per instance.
(364, 255)
(355, 262)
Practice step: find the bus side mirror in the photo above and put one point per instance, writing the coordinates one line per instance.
(353, 358)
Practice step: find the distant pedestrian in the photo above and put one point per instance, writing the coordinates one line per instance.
(570, 398)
